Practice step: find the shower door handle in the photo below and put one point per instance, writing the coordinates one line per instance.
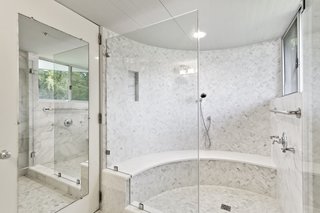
(4, 154)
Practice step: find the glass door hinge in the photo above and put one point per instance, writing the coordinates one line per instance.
(100, 196)
(33, 154)
(99, 39)
(100, 118)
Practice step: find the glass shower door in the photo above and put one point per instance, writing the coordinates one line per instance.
(152, 116)
(311, 109)
(71, 139)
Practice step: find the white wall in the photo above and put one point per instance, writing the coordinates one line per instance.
(59, 17)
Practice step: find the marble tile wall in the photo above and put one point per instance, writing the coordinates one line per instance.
(53, 141)
(23, 160)
(43, 131)
(115, 191)
(244, 176)
(165, 117)
(316, 119)
(240, 83)
(311, 97)
(289, 165)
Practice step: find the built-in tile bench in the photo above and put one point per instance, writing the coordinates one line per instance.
(141, 178)
(47, 176)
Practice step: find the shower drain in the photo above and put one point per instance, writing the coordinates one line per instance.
(226, 207)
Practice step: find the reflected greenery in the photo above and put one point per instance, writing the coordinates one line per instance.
(53, 84)
(80, 87)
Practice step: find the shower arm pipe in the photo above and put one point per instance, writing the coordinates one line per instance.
(297, 112)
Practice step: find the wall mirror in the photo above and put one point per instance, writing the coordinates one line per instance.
(53, 118)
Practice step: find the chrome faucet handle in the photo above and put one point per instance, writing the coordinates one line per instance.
(274, 137)
(276, 141)
(291, 149)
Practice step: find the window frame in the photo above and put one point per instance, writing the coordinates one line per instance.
(69, 82)
(296, 18)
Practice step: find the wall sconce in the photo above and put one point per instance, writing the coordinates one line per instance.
(186, 70)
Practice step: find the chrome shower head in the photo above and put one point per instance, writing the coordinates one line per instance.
(203, 95)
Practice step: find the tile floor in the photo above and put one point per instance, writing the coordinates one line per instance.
(37, 198)
(211, 198)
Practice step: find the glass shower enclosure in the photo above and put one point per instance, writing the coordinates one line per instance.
(152, 112)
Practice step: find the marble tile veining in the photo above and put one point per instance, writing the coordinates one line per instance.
(37, 198)
(185, 199)
(170, 176)
(289, 165)
(239, 82)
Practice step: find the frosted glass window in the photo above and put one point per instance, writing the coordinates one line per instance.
(291, 60)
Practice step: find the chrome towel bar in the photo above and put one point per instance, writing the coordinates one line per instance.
(47, 109)
(297, 112)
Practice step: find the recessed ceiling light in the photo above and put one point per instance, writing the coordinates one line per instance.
(199, 34)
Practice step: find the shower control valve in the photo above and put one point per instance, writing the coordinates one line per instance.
(276, 139)
(68, 122)
(283, 140)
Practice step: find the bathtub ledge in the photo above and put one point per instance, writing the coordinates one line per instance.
(138, 165)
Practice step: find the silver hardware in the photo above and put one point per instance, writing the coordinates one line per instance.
(275, 139)
(47, 109)
(33, 154)
(68, 122)
(116, 168)
(4, 154)
(297, 112)
(141, 206)
(100, 118)
(283, 141)
(226, 207)
(284, 150)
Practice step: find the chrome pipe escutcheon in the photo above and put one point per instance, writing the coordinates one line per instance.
(4, 154)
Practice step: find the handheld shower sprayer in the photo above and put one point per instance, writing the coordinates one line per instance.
(202, 96)
(206, 128)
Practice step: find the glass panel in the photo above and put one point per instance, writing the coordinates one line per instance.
(311, 109)
(80, 84)
(71, 118)
(53, 131)
(291, 66)
(152, 113)
(53, 81)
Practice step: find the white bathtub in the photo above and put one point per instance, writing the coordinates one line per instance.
(141, 178)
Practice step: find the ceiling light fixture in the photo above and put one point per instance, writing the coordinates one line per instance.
(199, 34)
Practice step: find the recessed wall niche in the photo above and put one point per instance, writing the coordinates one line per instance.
(133, 85)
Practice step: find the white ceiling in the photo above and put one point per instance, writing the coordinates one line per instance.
(49, 43)
(228, 23)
